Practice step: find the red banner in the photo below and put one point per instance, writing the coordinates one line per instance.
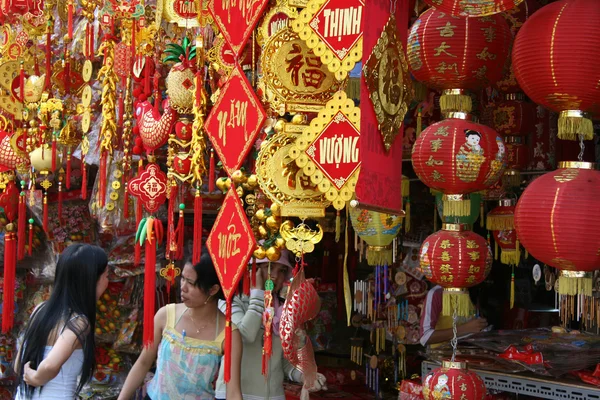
(231, 243)
(380, 180)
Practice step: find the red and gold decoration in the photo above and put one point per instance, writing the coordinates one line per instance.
(389, 83)
(334, 30)
(558, 222)
(458, 157)
(553, 61)
(456, 259)
(453, 380)
(455, 54)
(230, 244)
(10, 199)
(328, 150)
(473, 8)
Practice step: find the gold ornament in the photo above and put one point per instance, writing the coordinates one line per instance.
(272, 223)
(259, 253)
(300, 239)
(277, 18)
(108, 130)
(273, 254)
(389, 83)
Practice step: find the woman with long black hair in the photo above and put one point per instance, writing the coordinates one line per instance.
(58, 344)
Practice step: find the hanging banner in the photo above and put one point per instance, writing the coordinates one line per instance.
(379, 184)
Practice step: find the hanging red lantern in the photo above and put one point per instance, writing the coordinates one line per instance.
(458, 157)
(517, 157)
(506, 240)
(513, 116)
(456, 259)
(554, 60)
(473, 8)
(454, 381)
(558, 221)
(453, 54)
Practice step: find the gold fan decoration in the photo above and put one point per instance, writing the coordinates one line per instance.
(300, 239)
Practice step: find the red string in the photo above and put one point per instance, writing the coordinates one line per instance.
(70, 22)
(171, 220)
(149, 291)
(21, 227)
(211, 172)
(197, 253)
(180, 235)
(68, 177)
(125, 202)
(54, 148)
(102, 181)
(246, 287)
(30, 249)
(60, 203)
(227, 374)
(83, 179)
(8, 291)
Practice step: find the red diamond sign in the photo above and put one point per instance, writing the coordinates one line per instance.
(235, 121)
(231, 243)
(339, 24)
(335, 150)
(236, 19)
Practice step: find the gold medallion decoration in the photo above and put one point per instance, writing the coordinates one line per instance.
(388, 80)
(300, 239)
(333, 29)
(282, 181)
(277, 18)
(328, 151)
(294, 79)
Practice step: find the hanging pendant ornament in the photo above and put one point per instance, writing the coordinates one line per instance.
(300, 239)
(268, 316)
(9, 201)
(389, 83)
(537, 273)
(328, 150)
(334, 29)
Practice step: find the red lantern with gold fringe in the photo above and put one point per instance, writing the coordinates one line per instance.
(458, 157)
(558, 221)
(456, 259)
(554, 61)
(473, 8)
(453, 54)
(454, 381)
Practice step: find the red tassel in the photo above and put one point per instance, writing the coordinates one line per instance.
(30, 249)
(102, 182)
(60, 203)
(197, 252)
(36, 67)
(10, 268)
(48, 59)
(126, 203)
(92, 44)
(22, 83)
(54, 147)
(149, 291)
(21, 226)
(67, 78)
(45, 218)
(211, 172)
(157, 96)
(180, 235)
(246, 288)
(227, 372)
(147, 89)
(121, 111)
(83, 179)
(70, 20)
(68, 177)
(253, 275)
(171, 244)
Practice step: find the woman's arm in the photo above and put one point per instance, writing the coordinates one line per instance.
(234, 390)
(136, 376)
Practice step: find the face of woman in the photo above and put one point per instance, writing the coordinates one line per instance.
(191, 295)
(102, 284)
(279, 274)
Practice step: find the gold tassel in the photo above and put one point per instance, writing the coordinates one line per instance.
(455, 101)
(338, 227)
(419, 123)
(347, 292)
(353, 88)
(575, 285)
(512, 178)
(407, 216)
(497, 222)
(509, 257)
(512, 288)
(463, 302)
(405, 186)
(571, 124)
(379, 255)
(495, 249)
(456, 208)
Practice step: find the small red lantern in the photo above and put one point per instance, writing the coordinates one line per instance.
(514, 117)
(554, 60)
(458, 157)
(454, 381)
(558, 221)
(453, 54)
(456, 259)
(517, 157)
(473, 8)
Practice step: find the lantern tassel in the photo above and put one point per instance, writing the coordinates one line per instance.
(435, 217)
(575, 285)
(60, 203)
(149, 288)
(463, 303)
(347, 291)
(10, 268)
(211, 172)
(227, 373)
(138, 219)
(54, 149)
(21, 226)
(102, 182)
(495, 250)
(497, 222)
(379, 255)
(197, 252)
(512, 288)
(70, 20)
(171, 241)
(573, 124)
(451, 102)
(456, 208)
(509, 257)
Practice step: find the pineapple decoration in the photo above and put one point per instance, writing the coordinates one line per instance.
(181, 91)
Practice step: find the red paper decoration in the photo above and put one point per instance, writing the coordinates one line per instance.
(150, 187)
(12, 153)
(454, 381)
(554, 60)
(457, 157)
(455, 258)
(473, 8)
(453, 54)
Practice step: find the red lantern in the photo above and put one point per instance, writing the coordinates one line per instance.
(517, 157)
(457, 157)
(558, 221)
(554, 60)
(473, 8)
(454, 381)
(513, 117)
(453, 54)
(456, 259)
(508, 243)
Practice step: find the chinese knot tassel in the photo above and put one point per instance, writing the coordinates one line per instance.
(268, 338)
(197, 252)
(149, 285)
(48, 57)
(29, 250)
(60, 202)
(253, 274)
(70, 20)
(211, 172)
(180, 233)
(21, 226)
(246, 286)
(68, 177)
(512, 288)
(83, 179)
(126, 203)
(338, 226)
(54, 149)
(10, 267)
(407, 216)
(22, 82)
(45, 213)
(102, 182)
(227, 372)
(171, 221)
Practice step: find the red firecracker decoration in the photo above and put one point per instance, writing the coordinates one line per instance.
(473, 8)
(453, 54)
(456, 259)
(457, 157)
(9, 201)
(558, 221)
(454, 381)
(554, 61)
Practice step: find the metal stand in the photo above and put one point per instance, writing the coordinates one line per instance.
(549, 388)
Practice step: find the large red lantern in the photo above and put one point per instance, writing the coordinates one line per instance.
(473, 8)
(453, 54)
(554, 60)
(456, 259)
(454, 381)
(558, 221)
(458, 157)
